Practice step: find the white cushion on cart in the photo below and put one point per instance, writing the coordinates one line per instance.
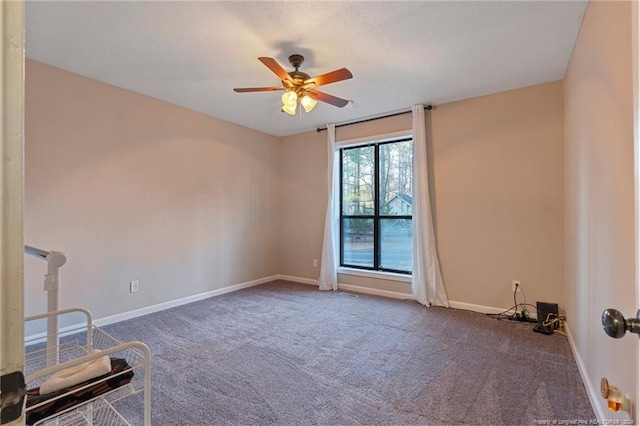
(77, 374)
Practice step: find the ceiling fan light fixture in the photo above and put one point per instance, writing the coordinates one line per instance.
(291, 110)
(297, 85)
(289, 99)
(308, 103)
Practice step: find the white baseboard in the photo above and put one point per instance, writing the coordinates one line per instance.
(476, 308)
(395, 295)
(594, 395)
(178, 302)
(68, 330)
(300, 280)
(101, 322)
(375, 291)
(349, 287)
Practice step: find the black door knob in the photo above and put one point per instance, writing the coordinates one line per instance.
(616, 325)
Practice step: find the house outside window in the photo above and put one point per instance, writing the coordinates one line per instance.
(376, 206)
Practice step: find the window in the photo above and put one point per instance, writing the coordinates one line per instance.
(376, 206)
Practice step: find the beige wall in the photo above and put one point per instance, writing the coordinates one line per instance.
(497, 181)
(599, 203)
(498, 164)
(303, 206)
(133, 188)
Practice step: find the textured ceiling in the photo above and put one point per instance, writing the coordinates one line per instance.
(193, 54)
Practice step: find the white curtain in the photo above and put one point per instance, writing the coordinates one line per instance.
(427, 285)
(328, 269)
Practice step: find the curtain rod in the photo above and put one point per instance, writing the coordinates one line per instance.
(320, 129)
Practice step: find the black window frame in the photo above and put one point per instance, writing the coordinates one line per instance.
(377, 217)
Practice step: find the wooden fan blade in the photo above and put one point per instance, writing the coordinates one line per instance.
(325, 97)
(274, 66)
(256, 89)
(330, 77)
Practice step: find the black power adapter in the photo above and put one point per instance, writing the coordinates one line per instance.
(547, 314)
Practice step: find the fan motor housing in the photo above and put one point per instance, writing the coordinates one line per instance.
(296, 60)
(298, 77)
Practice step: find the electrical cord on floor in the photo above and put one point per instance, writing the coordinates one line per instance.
(504, 314)
(520, 311)
(515, 309)
(525, 304)
(552, 323)
(524, 312)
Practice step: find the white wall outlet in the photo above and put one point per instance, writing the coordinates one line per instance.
(315, 263)
(516, 285)
(134, 286)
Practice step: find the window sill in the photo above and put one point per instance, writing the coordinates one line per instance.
(389, 276)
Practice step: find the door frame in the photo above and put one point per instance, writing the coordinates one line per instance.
(635, 57)
(11, 189)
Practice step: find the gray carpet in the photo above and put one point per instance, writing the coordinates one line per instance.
(288, 354)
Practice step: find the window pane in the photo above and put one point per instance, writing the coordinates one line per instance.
(357, 240)
(396, 244)
(357, 181)
(396, 179)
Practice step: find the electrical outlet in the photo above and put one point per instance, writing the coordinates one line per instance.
(516, 286)
(134, 286)
(315, 263)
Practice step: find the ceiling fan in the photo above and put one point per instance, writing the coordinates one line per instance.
(299, 86)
